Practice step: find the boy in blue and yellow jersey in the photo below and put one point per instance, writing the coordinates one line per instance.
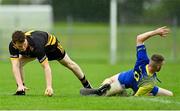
(142, 78)
(31, 45)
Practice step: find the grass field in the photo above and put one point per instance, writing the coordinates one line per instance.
(66, 88)
(90, 51)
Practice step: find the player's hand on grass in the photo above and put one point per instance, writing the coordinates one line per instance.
(26, 88)
(48, 92)
(162, 31)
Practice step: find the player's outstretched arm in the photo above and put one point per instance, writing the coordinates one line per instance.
(48, 75)
(162, 31)
(16, 72)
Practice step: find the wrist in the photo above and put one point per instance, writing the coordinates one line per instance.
(49, 87)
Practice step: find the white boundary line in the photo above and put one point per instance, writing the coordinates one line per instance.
(159, 100)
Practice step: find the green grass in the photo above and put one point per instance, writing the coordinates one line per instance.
(66, 88)
(88, 45)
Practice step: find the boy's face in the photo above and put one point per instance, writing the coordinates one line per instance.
(159, 66)
(21, 46)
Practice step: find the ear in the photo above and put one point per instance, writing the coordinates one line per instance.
(14, 43)
(158, 66)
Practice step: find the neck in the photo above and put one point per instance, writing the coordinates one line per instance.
(26, 42)
(151, 70)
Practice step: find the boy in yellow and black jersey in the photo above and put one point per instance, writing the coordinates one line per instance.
(41, 45)
(27, 46)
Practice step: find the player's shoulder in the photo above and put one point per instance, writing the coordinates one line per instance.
(39, 32)
(30, 32)
(12, 47)
(11, 44)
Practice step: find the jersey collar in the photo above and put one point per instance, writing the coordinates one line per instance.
(147, 70)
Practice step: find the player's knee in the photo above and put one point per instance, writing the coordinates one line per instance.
(107, 81)
(115, 88)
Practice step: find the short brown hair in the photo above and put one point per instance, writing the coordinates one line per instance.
(157, 58)
(18, 36)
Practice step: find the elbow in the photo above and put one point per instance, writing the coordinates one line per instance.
(170, 93)
(138, 38)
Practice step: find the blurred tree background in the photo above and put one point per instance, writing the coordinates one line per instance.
(129, 11)
(83, 23)
(82, 10)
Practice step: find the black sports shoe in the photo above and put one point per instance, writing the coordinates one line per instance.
(102, 90)
(89, 92)
(97, 92)
(20, 93)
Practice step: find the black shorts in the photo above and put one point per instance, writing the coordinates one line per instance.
(55, 52)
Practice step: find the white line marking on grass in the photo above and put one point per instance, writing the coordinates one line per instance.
(159, 100)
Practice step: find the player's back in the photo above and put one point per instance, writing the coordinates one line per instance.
(38, 37)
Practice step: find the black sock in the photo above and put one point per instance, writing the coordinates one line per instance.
(85, 82)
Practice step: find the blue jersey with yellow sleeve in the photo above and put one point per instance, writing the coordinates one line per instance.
(139, 78)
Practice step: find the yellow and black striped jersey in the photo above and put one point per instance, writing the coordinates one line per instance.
(41, 44)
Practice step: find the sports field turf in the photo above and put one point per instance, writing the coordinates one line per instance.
(92, 55)
(66, 88)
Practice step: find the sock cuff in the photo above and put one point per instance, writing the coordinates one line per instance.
(82, 78)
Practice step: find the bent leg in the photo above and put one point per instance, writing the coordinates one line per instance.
(115, 86)
(164, 92)
(67, 62)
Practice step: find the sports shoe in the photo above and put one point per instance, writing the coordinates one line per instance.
(89, 92)
(20, 93)
(102, 90)
(97, 92)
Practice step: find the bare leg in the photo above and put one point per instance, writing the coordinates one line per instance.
(67, 62)
(109, 87)
(115, 86)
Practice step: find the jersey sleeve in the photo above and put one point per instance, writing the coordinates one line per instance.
(14, 53)
(145, 85)
(144, 90)
(155, 90)
(40, 54)
(142, 58)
